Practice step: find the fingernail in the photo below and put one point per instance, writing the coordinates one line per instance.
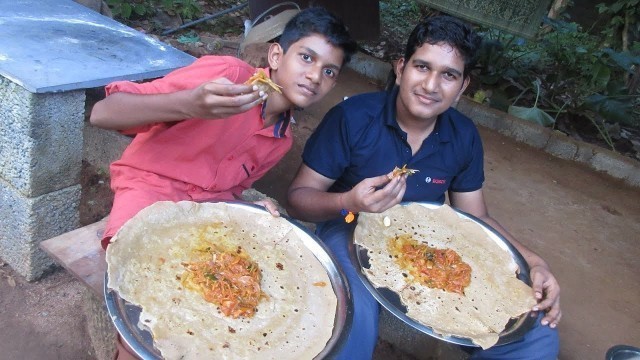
(261, 93)
(255, 87)
(544, 322)
(535, 308)
(553, 326)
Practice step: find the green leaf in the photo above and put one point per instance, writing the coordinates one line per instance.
(613, 110)
(140, 9)
(125, 11)
(533, 114)
(601, 75)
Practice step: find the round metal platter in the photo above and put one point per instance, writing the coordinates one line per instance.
(390, 300)
(125, 315)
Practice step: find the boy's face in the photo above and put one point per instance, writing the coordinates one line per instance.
(430, 82)
(308, 70)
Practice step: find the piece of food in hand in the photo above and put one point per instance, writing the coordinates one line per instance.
(401, 171)
(263, 82)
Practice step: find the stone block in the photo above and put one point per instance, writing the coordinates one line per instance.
(102, 147)
(485, 116)
(634, 177)
(585, 153)
(25, 222)
(529, 133)
(612, 163)
(40, 139)
(370, 67)
(561, 146)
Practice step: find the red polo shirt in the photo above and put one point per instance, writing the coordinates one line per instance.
(193, 159)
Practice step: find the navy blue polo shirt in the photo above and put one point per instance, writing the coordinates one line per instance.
(360, 138)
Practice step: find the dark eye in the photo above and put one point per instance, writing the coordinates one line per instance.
(330, 73)
(450, 76)
(306, 57)
(422, 68)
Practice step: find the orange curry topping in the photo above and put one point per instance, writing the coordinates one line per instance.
(435, 268)
(228, 279)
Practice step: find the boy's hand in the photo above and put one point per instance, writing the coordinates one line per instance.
(269, 205)
(221, 98)
(377, 194)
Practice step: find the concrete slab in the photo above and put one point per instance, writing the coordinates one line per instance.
(59, 45)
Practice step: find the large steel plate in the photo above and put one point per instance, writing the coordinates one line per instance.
(125, 315)
(390, 300)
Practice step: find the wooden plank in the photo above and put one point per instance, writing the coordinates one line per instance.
(80, 253)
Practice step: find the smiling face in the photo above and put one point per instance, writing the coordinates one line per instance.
(307, 71)
(430, 82)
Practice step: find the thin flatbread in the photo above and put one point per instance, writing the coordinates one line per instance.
(145, 262)
(494, 295)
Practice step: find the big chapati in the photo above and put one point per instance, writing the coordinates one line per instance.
(493, 296)
(147, 258)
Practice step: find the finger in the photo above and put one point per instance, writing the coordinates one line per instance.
(537, 285)
(270, 206)
(552, 317)
(229, 89)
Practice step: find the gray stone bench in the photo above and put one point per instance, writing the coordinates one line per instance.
(51, 51)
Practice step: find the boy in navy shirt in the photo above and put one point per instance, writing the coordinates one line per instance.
(347, 166)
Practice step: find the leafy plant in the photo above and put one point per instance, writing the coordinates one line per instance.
(623, 22)
(575, 75)
(400, 16)
(186, 9)
(533, 114)
(125, 9)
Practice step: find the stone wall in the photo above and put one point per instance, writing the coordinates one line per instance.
(40, 162)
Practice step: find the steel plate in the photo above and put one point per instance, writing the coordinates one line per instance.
(125, 315)
(390, 300)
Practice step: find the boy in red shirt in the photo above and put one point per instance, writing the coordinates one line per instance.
(201, 134)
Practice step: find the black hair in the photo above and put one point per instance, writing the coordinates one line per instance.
(318, 20)
(449, 30)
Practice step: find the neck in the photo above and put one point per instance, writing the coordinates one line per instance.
(276, 105)
(417, 129)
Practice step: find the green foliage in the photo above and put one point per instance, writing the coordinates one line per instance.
(126, 9)
(623, 20)
(533, 114)
(573, 71)
(187, 9)
(400, 16)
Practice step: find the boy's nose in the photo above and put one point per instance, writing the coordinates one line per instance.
(314, 75)
(430, 83)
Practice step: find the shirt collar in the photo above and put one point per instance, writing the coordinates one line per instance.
(282, 125)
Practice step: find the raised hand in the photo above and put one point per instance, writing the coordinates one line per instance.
(221, 98)
(376, 194)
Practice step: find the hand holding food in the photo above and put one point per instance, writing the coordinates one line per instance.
(221, 98)
(263, 82)
(401, 171)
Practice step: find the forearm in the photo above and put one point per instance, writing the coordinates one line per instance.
(125, 110)
(309, 204)
(530, 257)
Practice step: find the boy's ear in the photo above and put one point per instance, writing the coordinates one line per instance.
(398, 69)
(275, 55)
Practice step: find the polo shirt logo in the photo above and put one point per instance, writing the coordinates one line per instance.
(429, 180)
